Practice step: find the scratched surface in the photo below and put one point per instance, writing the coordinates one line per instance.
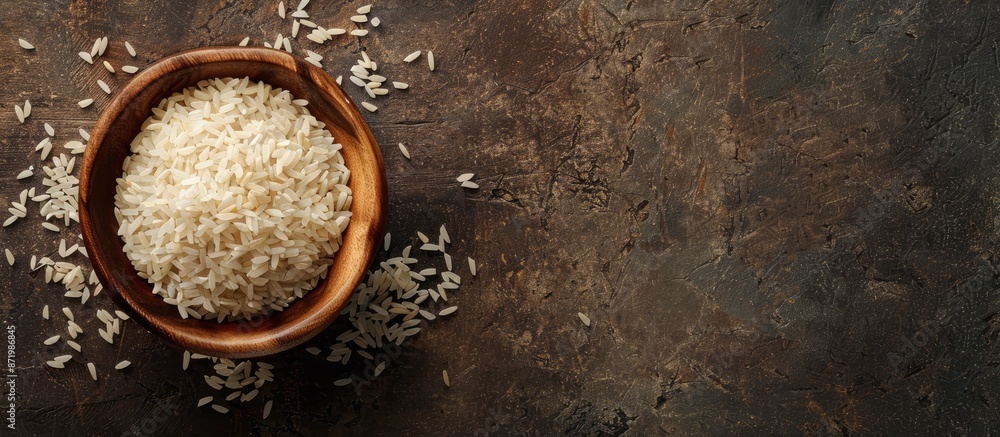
(781, 217)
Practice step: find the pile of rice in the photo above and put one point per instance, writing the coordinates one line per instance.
(234, 199)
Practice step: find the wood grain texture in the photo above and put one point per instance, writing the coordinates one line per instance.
(771, 211)
(110, 142)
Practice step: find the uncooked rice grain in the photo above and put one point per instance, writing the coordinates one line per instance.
(104, 86)
(370, 107)
(25, 44)
(86, 57)
(108, 66)
(267, 408)
(130, 69)
(85, 102)
(430, 60)
(412, 56)
(404, 150)
(93, 370)
(123, 364)
(10, 256)
(49, 130)
(584, 318)
(51, 340)
(448, 310)
(131, 50)
(205, 400)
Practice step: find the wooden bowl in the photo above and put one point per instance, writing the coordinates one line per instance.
(102, 165)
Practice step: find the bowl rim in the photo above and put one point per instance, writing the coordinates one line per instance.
(251, 342)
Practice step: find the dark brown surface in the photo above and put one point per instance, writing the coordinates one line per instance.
(780, 215)
(109, 144)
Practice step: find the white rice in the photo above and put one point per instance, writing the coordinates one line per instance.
(359, 18)
(430, 60)
(472, 266)
(448, 310)
(131, 50)
(86, 57)
(444, 375)
(104, 86)
(45, 312)
(267, 408)
(281, 13)
(400, 85)
(179, 227)
(85, 102)
(584, 318)
(49, 130)
(242, 43)
(51, 340)
(123, 364)
(412, 56)
(205, 400)
(130, 69)
(404, 150)
(359, 32)
(470, 184)
(111, 69)
(25, 44)
(370, 107)
(93, 370)
(365, 9)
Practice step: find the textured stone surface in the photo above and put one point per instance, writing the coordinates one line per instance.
(780, 216)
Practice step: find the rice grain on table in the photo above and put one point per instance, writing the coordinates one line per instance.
(108, 66)
(584, 318)
(49, 130)
(448, 310)
(404, 150)
(93, 371)
(104, 86)
(444, 375)
(130, 69)
(370, 107)
(267, 408)
(359, 32)
(400, 85)
(386, 241)
(10, 256)
(242, 43)
(123, 364)
(412, 56)
(25, 44)
(430, 60)
(85, 102)
(86, 57)
(284, 148)
(131, 50)
(376, 22)
(205, 400)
